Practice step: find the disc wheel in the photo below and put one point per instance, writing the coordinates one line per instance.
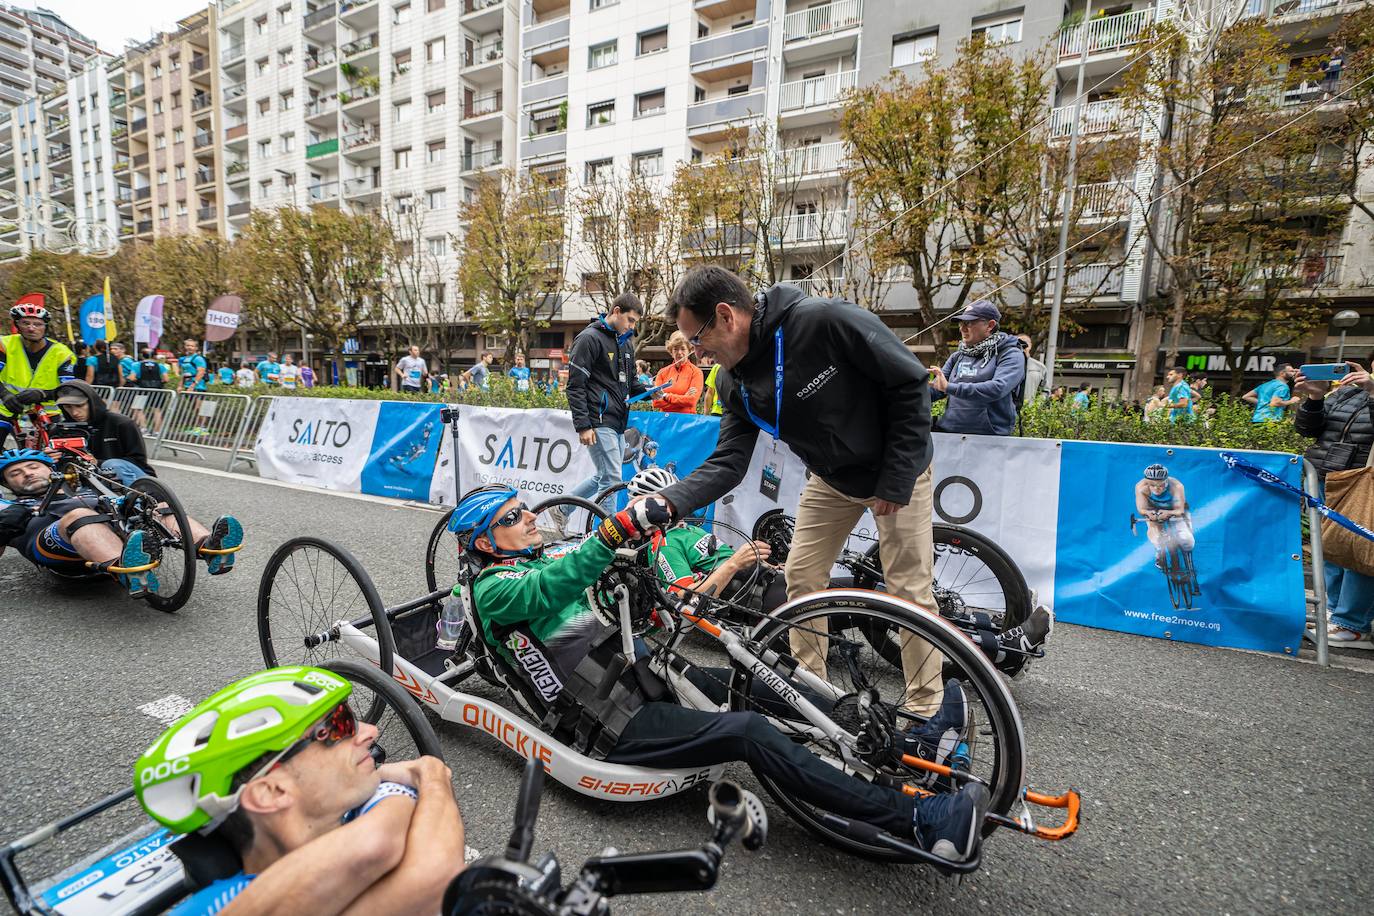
(580, 516)
(403, 732)
(309, 585)
(442, 566)
(166, 532)
(995, 743)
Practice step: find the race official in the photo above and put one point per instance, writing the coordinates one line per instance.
(831, 381)
(32, 365)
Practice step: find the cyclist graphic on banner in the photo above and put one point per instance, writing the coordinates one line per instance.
(1160, 501)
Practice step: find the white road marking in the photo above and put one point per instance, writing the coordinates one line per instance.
(167, 709)
(470, 855)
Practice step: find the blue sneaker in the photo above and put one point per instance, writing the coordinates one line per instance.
(142, 583)
(951, 826)
(225, 533)
(940, 736)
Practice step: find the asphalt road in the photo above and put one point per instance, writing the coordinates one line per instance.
(1213, 781)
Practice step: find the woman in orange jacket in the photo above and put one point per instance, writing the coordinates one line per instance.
(683, 378)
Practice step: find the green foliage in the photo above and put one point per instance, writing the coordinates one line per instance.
(1229, 427)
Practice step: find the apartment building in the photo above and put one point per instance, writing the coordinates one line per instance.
(38, 53)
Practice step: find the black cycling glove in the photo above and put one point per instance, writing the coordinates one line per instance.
(631, 525)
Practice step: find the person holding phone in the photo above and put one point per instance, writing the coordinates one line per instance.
(1342, 422)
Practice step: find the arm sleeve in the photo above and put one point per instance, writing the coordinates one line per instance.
(1011, 369)
(1310, 419)
(131, 443)
(529, 595)
(878, 353)
(684, 391)
(579, 372)
(722, 472)
(13, 520)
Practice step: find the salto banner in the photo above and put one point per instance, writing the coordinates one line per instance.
(1200, 556)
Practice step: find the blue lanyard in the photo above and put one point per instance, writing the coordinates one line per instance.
(774, 431)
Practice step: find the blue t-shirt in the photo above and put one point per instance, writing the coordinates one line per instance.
(479, 375)
(189, 366)
(128, 367)
(226, 375)
(1181, 392)
(1274, 388)
(1081, 401)
(268, 368)
(521, 374)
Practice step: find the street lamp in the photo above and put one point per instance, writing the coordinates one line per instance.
(1345, 320)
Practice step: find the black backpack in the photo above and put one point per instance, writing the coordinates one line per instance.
(107, 371)
(149, 374)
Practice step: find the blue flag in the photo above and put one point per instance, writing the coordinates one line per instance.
(93, 319)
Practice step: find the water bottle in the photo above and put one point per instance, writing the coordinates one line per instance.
(450, 625)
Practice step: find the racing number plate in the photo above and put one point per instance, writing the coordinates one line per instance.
(120, 881)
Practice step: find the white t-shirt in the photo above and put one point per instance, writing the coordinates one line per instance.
(412, 370)
(246, 378)
(289, 376)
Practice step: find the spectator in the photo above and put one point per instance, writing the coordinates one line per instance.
(289, 375)
(1331, 72)
(1083, 398)
(193, 368)
(1154, 407)
(711, 404)
(1341, 423)
(102, 368)
(520, 373)
(224, 375)
(1180, 396)
(307, 376)
(642, 372)
(268, 369)
(562, 383)
(112, 438)
(1035, 372)
(1272, 399)
(1059, 394)
(480, 373)
(682, 378)
(980, 379)
(245, 377)
(128, 366)
(411, 371)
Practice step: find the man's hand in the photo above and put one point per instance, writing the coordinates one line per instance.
(937, 379)
(587, 437)
(749, 554)
(885, 506)
(672, 510)
(632, 524)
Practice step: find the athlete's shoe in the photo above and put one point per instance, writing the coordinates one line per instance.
(950, 826)
(1159, 560)
(142, 583)
(225, 534)
(1031, 634)
(937, 738)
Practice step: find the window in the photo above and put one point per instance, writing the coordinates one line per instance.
(288, 100)
(596, 227)
(595, 5)
(288, 143)
(264, 105)
(260, 25)
(433, 6)
(435, 292)
(400, 159)
(698, 94)
(1000, 33)
(264, 187)
(157, 106)
(653, 41)
(284, 14)
(602, 55)
(600, 114)
(178, 134)
(400, 62)
(401, 111)
(434, 51)
(599, 170)
(181, 208)
(404, 204)
(434, 102)
(157, 70)
(161, 141)
(434, 152)
(264, 147)
(176, 100)
(404, 248)
(738, 90)
(285, 56)
(963, 261)
(175, 61)
(649, 103)
(593, 283)
(435, 198)
(437, 245)
(162, 212)
(180, 173)
(648, 165)
(913, 49)
(400, 13)
(262, 64)
(289, 179)
(162, 176)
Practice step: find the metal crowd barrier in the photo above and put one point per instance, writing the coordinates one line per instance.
(147, 407)
(1312, 485)
(105, 391)
(244, 444)
(200, 421)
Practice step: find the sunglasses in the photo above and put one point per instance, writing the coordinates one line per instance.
(512, 517)
(695, 339)
(339, 724)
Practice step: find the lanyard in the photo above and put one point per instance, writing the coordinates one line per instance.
(773, 430)
(1262, 476)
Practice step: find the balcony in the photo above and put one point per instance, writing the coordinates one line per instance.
(145, 226)
(121, 129)
(1087, 281)
(545, 37)
(200, 100)
(205, 215)
(482, 105)
(355, 94)
(822, 21)
(121, 165)
(325, 105)
(204, 176)
(59, 125)
(482, 158)
(117, 101)
(544, 145)
(729, 54)
(1103, 200)
(1282, 9)
(235, 172)
(143, 193)
(325, 190)
(230, 55)
(817, 92)
(1315, 271)
(59, 186)
(812, 159)
(319, 61)
(711, 119)
(552, 88)
(358, 46)
(821, 227)
(362, 186)
(323, 148)
(233, 92)
(242, 208)
(200, 62)
(59, 154)
(478, 15)
(204, 139)
(237, 132)
(320, 16)
(140, 160)
(353, 7)
(138, 125)
(483, 54)
(361, 139)
(136, 92)
(1101, 117)
(1104, 36)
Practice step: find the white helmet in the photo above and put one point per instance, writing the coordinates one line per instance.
(649, 481)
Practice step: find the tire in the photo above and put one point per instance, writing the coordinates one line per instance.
(176, 571)
(295, 572)
(997, 745)
(403, 732)
(441, 564)
(606, 494)
(582, 517)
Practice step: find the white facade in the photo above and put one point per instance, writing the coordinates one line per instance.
(38, 53)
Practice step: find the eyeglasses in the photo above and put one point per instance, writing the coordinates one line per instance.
(512, 517)
(695, 339)
(339, 724)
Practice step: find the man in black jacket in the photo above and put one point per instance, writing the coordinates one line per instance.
(112, 438)
(836, 385)
(601, 380)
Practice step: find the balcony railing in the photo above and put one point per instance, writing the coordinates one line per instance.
(1316, 271)
(1086, 280)
(323, 148)
(204, 176)
(1099, 200)
(821, 226)
(832, 287)
(473, 6)
(365, 184)
(233, 170)
(484, 54)
(817, 91)
(205, 214)
(327, 190)
(482, 158)
(361, 138)
(825, 19)
(356, 94)
(140, 160)
(1278, 8)
(320, 106)
(143, 193)
(230, 54)
(136, 92)
(358, 46)
(319, 16)
(314, 62)
(200, 62)
(145, 225)
(239, 209)
(200, 101)
(1106, 35)
(482, 105)
(813, 159)
(59, 124)
(204, 139)
(59, 153)
(138, 124)
(1100, 117)
(238, 131)
(234, 91)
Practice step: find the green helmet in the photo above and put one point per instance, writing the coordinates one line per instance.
(184, 779)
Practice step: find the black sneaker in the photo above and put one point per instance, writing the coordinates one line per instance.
(951, 826)
(1031, 634)
(937, 738)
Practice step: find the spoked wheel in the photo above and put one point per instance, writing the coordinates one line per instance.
(579, 517)
(610, 499)
(995, 747)
(442, 566)
(308, 586)
(166, 534)
(403, 732)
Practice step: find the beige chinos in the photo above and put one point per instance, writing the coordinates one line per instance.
(825, 517)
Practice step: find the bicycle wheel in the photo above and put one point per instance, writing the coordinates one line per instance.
(309, 585)
(1171, 576)
(441, 556)
(609, 498)
(996, 747)
(403, 732)
(579, 517)
(176, 570)
(774, 528)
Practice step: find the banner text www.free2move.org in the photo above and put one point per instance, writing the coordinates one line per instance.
(1174, 620)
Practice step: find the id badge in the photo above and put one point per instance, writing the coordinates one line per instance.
(622, 378)
(770, 482)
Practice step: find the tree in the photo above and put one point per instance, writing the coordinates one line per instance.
(1355, 102)
(511, 258)
(415, 291)
(83, 275)
(189, 272)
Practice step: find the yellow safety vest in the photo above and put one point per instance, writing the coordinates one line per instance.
(711, 383)
(17, 371)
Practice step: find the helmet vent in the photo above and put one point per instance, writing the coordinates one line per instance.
(253, 721)
(192, 736)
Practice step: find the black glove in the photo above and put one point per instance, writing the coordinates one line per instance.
(634, 523)
(31, 395)
(10, 401)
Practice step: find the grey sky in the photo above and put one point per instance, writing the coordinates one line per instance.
(112, 22)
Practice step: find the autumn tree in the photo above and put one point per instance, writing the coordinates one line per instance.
(189, 272)
(416, 290)
(83, 275)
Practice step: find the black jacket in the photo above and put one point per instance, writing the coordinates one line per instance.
(112, 435)
(1345, 413)
(601, 378)
(856, 408)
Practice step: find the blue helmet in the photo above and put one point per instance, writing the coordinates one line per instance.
(475, 513)
(1156, 472)
(16, 455)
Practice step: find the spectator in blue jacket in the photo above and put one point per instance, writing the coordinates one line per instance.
(981, 378)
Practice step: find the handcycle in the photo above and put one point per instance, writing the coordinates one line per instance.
(149, 869)
(1178, 569)
(851, 725)
(145, 505)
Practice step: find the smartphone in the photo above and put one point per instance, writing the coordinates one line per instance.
(1324, 372)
